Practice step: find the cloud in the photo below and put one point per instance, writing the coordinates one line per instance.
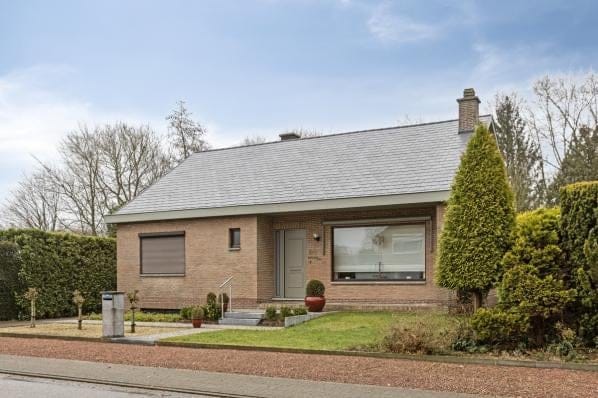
(34, 116)
(388, 26)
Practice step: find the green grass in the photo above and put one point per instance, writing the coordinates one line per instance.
(338, 331)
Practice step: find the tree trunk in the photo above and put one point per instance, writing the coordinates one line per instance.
(80, 320)
(476, 300)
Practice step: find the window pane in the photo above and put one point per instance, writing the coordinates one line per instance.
(235, 238)
(388, 252)
(163, 255)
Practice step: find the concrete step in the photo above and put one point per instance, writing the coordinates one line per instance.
(244, 315)
(239, 321)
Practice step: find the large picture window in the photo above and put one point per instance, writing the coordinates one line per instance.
(162, 253)
(379, 253)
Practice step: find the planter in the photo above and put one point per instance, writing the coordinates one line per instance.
(196, 323)
(315, 304)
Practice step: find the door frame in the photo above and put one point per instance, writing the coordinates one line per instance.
(279, 259)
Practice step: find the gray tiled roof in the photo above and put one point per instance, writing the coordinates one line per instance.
(390, 161)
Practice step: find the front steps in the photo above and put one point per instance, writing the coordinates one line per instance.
(241, 318)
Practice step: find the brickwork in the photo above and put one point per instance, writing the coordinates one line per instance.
(469, 111)
(208, 261)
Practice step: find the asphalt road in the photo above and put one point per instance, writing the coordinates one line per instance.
(32, 387)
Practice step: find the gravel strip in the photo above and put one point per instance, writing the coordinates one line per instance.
(476, 379)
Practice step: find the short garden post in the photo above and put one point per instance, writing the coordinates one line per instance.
(79, 300)
(133, 300)
(32, 294)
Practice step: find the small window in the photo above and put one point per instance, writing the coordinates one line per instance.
(162, 253)
(234, 241)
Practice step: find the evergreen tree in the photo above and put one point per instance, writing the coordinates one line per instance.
(521, 153)
(580, 163)
(186, 135)
(479, 219)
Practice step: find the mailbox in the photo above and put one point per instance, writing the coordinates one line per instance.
(113, 314)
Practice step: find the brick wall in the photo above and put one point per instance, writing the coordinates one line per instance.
(209, 262)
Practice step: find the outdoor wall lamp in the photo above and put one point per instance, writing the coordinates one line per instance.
(316, 237)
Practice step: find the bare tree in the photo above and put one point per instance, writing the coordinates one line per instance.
(35, 203)
(253, 140)
(130, 160)
(186, 135)
(563, 106)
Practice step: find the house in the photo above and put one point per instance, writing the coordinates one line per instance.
(360, 211)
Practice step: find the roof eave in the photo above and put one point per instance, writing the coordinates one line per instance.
(329, 204)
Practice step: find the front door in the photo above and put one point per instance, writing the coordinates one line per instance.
(294, 263)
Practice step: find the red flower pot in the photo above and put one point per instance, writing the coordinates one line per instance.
(196, 323)
(315, 304)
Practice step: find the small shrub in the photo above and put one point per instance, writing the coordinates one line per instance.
(197, 312)
(285, 312)
(300, 311)
(223, 297)
(315, 288)
(419, 337)
(497, 327)
(211, 298)
(564, 347)
(185, 313)
(271, 314)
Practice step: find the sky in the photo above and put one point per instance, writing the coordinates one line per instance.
(259, 67)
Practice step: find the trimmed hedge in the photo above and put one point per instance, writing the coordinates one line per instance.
(59, 263)
(579, 203)
(9, 279)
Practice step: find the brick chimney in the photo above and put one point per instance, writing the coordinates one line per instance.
(469, 111)
(289, 136)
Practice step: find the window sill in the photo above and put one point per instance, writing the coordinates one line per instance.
(234, 249)
(161, 275)
(378, 283)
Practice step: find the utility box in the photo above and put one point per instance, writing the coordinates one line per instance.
(113, 314)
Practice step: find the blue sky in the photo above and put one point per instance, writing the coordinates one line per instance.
(260, 67)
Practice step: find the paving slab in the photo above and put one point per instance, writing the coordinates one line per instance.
(199, 382)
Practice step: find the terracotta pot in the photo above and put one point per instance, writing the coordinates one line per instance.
(315, 304)
(196, 323)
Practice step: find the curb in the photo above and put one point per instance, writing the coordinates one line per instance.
(388, 355)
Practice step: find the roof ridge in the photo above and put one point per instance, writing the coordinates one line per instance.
(335, 134)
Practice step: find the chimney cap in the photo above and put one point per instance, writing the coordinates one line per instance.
(289, 136)
(469, 94)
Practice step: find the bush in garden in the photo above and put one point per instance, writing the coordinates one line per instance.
(535, 241)
(494, 326)
(285, 312)
(541, 300)
(212, 310)
(59, 263)
(271, 314)
(478, 222)
(299, 311)
(418, 338)
(185, 313)
(10, 264)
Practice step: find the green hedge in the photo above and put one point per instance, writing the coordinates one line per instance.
(579, 217)
(57, 264)
(9, 279)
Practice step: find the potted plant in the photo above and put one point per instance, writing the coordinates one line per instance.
(314, 296)
(196, 316)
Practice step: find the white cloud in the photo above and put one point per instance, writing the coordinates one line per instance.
(35, 115)
(392, 27)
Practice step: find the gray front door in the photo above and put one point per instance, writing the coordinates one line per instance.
(294, 263)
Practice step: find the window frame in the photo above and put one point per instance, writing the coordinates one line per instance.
(231, 232)
(371, 223)
(153, 235)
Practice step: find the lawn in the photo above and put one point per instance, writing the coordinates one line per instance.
(337, 331)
